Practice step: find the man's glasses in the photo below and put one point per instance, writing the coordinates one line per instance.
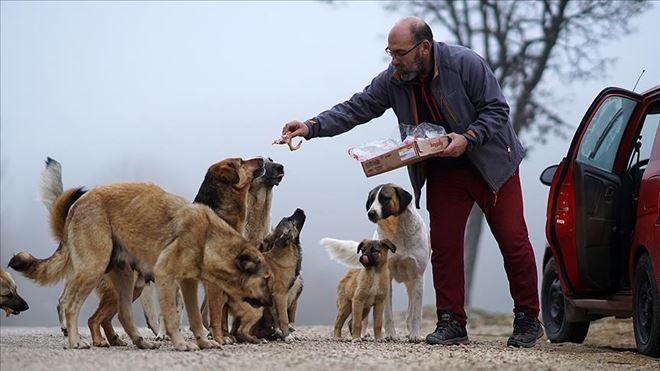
(400, 53)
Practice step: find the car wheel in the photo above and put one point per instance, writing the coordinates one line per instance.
(553, 310)
(646, 308)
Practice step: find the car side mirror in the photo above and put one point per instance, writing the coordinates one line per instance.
(548, 174)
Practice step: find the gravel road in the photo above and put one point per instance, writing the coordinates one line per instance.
(610, 345)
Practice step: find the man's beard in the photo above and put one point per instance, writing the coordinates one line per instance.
(412, 73)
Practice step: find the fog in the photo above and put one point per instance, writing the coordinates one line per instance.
(158, 91)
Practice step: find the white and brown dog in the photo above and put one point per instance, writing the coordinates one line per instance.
(397, 220)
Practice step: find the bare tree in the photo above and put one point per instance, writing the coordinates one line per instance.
(526, 43)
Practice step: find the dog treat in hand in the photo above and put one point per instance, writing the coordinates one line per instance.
(287, 139)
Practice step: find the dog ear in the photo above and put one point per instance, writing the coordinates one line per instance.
(360, 247)
(404, 198)
(247, 263)
(371, 198)
(228, 174)
(387, 243)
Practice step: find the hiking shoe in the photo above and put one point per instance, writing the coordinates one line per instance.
(526, 329)
(448, 332)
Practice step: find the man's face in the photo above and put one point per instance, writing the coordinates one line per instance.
(406, 55)
(409, 66)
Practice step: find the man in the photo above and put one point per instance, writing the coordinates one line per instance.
(451, 86)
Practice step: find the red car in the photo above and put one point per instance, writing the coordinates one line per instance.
(603, 222)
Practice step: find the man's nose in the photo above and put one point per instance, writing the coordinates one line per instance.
(395, 61)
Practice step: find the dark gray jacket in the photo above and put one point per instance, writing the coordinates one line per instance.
(469, 98)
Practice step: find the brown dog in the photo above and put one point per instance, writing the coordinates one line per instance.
(121, 228)
(283, 255)
(10, 301)
(361, 289)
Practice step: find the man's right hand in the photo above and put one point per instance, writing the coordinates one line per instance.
(291, 130)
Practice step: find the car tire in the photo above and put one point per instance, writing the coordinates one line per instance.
(553, 310)
(646, 308)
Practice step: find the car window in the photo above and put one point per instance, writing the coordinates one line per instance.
(647, 134)
(601, 140)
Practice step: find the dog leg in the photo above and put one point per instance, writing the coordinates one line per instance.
(205, 314)
(151, 315)
(217, 303)
(390, 332)
(242, 326)
(75, 292)
(281, 315)
(414, 316)
(106, 309)
(162, 333)
(110, 334)
(123, 281)
(357, 314)
(189, 291)
(167, 291)
(379, 307)
(60, 314)
(343, 311)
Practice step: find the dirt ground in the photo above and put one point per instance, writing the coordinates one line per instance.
(609, 345)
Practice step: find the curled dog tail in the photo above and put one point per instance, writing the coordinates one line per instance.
(342, 251)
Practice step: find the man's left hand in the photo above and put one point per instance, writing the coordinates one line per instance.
(457, 146)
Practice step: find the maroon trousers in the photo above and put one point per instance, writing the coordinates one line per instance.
(452, 190)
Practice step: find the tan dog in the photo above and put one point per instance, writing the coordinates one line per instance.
(284, 257)
(121, 228)
(361, 289)
(10, 301)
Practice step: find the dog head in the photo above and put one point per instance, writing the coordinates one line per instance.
(373, 253)
(236, 266)
(273, 174)
(10, 301)
(287, 232)
(236, 172)
(387, 200)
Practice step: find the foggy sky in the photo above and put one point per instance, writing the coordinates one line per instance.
(158, 91)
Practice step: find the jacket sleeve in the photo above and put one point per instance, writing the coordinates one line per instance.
(486, 95)
(364, 106)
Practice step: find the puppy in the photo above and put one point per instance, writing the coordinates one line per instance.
(120, 228)
(283, 255)
(390, 207)
(361, 289)
(10, 301)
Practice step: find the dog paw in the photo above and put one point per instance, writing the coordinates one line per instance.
(415, 338)
(289, 339)
(356, 340)
(207, 344)
(186, 346)
(146, 344)
(162, 337)
(80, 344)
(115, 341)
(102, 344)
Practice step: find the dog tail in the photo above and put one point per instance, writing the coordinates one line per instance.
(51, 183)
(43, 271)
(343, 251)
(56, 200)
